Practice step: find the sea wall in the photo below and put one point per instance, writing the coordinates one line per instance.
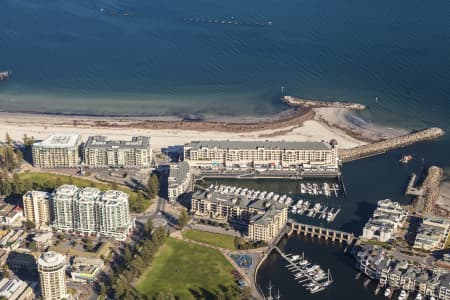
(375, 148)
(426, 202)
(294, 101)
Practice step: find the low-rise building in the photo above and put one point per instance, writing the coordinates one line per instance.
(386, 220)
(86, 269)
(9, 214)
(57, 151)
(432, 233)
(257, 219)
(179, 180)
(14, 289)
(43, 240)
(99, 152)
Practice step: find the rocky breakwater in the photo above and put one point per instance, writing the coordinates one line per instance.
(426, 202)
(294, 101)
(379, 147)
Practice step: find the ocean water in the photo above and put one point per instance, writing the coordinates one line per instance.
(147, 58)
(142, 57)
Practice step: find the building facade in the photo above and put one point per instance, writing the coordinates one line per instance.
(52, 276)
(91, 212)
(259, 220)
(14, 289)
(387, 218)
(99, 152)
(432, 233)
(179, 180)
(57, 151)
(36, 207)
(260, 155)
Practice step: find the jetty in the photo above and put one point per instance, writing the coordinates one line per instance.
(5, 75)
(411, 189)
(314, 210)
(380, 147)
(295, 101)
(312, 277)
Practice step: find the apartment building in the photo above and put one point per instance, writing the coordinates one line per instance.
(387, 218)
(36, 207)
(15, 289)
(91, 212)
(260, 155)
(99, 152)
(432, 234)
(179, 180)
(57, 151)
(52, 276)
(257, 219)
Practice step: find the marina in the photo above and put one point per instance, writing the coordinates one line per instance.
(312, 277)
(315, 189)
(253, 194)
(314, 210)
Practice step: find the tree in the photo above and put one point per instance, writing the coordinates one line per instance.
(8, 139)
(29, 224)
(148, 227)
(32, 246)
(153, 186)
(114, 185)
(183, 219)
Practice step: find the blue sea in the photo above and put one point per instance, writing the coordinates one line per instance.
(230, 58)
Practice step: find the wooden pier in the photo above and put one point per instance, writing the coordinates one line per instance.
(302, 276)
(321, 232)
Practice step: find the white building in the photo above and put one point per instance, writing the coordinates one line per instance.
(386, 220)
(57, 151)
(14, 289)
(99, 152)
(260, 155)
(179, 180)
(36, 206)
(432, 234)
(52, 276)
(89, 211)
(10, 214)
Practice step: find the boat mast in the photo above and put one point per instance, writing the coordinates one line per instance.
(270, 291)
(278, 295)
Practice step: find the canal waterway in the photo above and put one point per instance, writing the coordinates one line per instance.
(366, 182)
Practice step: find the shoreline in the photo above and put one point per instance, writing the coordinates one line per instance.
(293, 124)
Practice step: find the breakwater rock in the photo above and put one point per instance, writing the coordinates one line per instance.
(375, 148)
(294, 101)
(425, 203)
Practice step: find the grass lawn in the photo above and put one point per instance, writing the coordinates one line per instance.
(189, 271)
(215, 239)
(49, 179)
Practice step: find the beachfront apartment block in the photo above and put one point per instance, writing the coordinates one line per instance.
(259, 220)
(260, 154)
(36, 207)
(52, 276)
(57, 151)
(89, 211)
(432, 234)
(387, 218)
(99, 152)
(179, 180)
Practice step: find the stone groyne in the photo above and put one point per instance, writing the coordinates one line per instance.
(294, 101)
(375, 148)
(425, 203)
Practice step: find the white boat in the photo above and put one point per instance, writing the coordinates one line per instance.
(295, 257)
(317, 207)
(419, 296)
(303, 263)
(302, 188)
(288, 201)
(329, 217)
(269, 196)
(403, 295)
(299, 203)
(387, 292)
(276, 197)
